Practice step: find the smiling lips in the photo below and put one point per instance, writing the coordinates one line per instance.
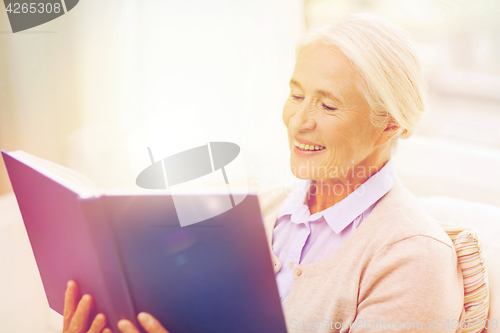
(305, 147)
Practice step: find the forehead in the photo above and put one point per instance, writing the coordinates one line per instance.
(324, 66)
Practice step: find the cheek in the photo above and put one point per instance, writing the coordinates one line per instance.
(335, 130)
(366, 134)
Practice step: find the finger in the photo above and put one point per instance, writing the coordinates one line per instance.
(107, 330)
(80, 318)
(98, 324)
(70, 300)
(150, 323)
(126, 326)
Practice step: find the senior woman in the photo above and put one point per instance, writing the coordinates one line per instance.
(351, 247)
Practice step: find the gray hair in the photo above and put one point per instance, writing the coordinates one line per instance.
(389, 74)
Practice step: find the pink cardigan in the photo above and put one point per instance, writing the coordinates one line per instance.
(397, 271)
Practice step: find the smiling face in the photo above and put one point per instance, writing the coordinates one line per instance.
(327, 118)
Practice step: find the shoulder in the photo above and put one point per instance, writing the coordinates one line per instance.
(399, 217)
(406, 247)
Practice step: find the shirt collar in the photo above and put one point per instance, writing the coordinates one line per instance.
(344, 212)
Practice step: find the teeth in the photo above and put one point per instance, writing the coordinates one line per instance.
(302, 146)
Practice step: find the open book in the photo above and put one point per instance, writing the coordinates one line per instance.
(131, 254)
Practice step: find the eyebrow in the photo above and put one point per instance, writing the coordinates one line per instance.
(320, 92)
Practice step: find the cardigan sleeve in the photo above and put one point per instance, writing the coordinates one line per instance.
(413, 285)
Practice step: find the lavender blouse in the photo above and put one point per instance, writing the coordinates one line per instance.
(302, 238)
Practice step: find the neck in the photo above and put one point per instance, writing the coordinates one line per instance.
(324, 193)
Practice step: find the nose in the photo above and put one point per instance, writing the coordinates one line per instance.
(303, 119)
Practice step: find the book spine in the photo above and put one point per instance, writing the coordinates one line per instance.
(115, 301)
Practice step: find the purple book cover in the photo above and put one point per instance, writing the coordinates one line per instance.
(66, 246)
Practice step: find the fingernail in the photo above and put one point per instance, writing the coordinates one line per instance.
(123, 325)
(99, 319)
(146, 319)
(86, 299)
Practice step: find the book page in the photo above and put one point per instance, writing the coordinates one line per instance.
(67, 177)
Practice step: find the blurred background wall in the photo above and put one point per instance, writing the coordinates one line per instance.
(74, 88)
(39, 100)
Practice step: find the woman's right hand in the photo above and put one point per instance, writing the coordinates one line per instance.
(76, 316)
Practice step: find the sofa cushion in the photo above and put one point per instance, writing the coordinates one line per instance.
(472, 262)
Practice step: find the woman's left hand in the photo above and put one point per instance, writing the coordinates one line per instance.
(150, 324)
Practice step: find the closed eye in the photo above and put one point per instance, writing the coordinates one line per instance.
(297, 97)
(329, 108)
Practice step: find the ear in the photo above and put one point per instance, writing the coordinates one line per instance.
(389, 130)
